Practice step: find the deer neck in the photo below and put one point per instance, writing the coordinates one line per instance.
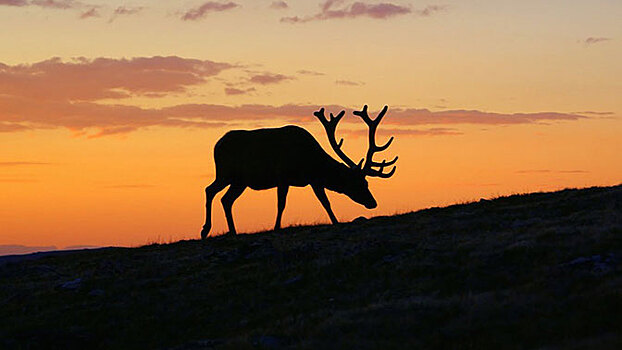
(333, 179)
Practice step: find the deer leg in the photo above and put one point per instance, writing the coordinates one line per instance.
(282, 196)
(227, 200)
(321, 195)
(210, 192)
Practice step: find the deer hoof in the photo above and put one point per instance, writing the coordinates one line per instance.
(204, 233)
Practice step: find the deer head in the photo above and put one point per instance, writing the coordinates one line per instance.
(354, 184)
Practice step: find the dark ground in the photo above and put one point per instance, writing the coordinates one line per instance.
(541, 270)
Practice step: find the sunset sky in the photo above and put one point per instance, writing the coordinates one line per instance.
(109, 111)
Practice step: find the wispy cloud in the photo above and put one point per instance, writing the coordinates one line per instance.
(573, 171)
(32, 98)
(92, 12)
(57, 4)
(424, 116)
(125, 11)
(83, 79)
(430, 10)
(116, 119)
(339, 9)
(309, 72)
(269, 78)
(52, 4)
(11, 127)
(86, 10)
(349, 83)
(207, 7)
(112, 130)
(595, 40)
(406, 132)
(279, 5)
(16, 3)
(595, 113)
(328, 4)
(235, 91)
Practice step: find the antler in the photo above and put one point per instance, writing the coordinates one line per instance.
(331, 126)
(373, 148)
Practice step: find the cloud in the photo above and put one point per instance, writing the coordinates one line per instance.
(405, 132)
(595, 113)
(10, 249)
(17, 3)
(408, 116)
(115, 130)
(122, 10)
(235, 91)
(210, 6)
(279, 5)
(349, 83)
(82, 79)
(125, 11)
(326, 5)
(90, 13)
(381, 11)
(88, 10)
(53, 4)
(430, 10)
(67, 94)
(337, 9)
(11, 127)
(595, 40)
(110, 119)
(57, 4)
(309, 72)
(107, 119)
(269, 78)
(572, 171)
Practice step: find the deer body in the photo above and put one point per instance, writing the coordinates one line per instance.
(282, 157)
(267, 158)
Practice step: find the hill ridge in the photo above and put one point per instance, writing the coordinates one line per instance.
(523, 271)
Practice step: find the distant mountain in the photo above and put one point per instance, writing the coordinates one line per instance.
(16, 249)
(535, 271)
(76, 247)
(10, 249)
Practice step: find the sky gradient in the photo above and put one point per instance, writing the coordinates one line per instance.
(109, 111)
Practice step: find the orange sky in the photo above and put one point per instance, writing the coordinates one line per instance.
(109, 112)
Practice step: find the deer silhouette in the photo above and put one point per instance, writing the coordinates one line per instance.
(290, 156)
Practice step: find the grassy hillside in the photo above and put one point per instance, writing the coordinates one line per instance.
(541, 270)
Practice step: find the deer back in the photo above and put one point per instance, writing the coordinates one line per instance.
(266, 158)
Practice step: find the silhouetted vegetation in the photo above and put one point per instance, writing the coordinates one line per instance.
(526, 271)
